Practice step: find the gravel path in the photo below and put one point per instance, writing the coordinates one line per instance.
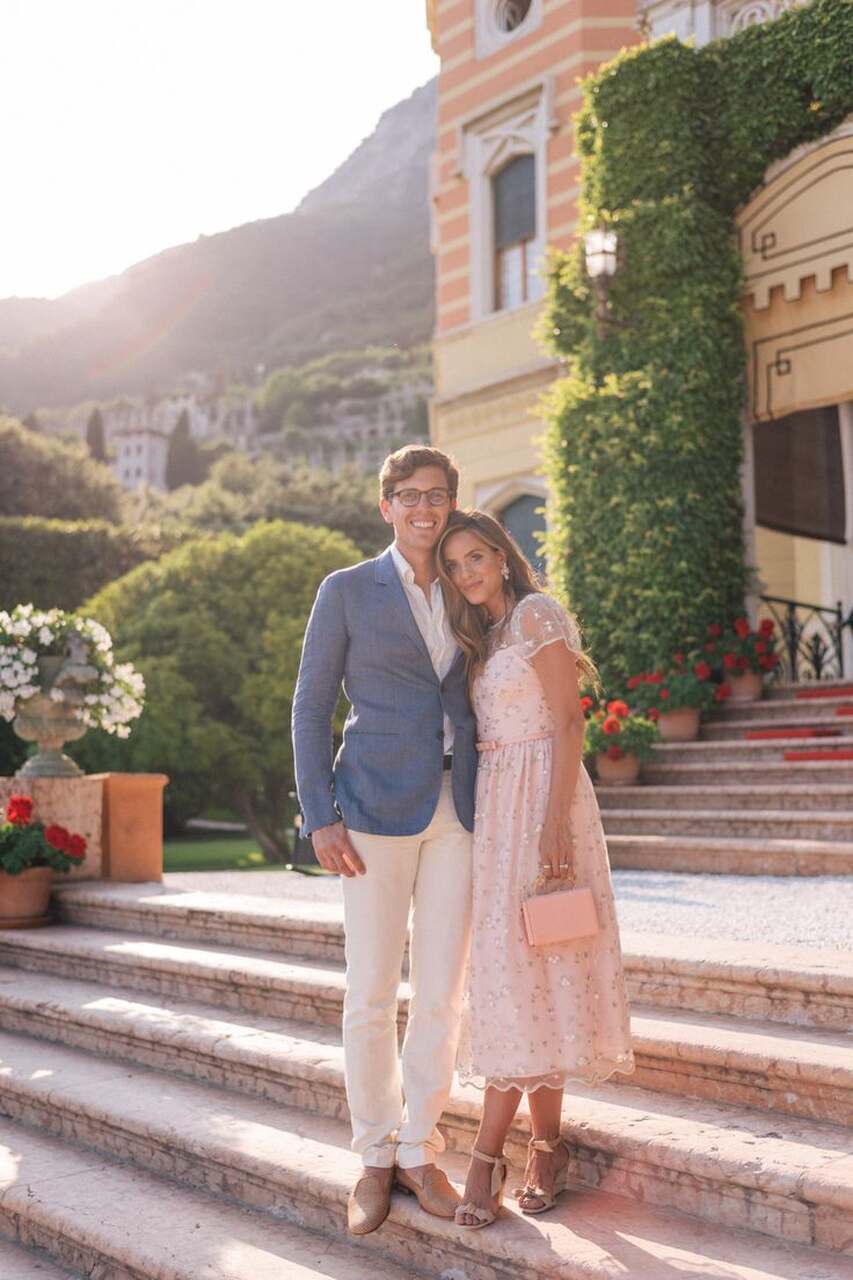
(799, 911)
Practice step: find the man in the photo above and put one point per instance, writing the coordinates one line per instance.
(393, 816)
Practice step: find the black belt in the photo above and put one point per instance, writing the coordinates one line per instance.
(448, 762)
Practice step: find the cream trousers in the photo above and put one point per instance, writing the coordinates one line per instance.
(429, 876)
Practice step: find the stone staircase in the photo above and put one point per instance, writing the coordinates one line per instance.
(766, 790)
(172, 1107)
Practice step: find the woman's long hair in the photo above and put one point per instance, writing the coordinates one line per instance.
(471, 624)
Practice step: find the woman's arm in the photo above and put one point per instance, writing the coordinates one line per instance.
(556, 668)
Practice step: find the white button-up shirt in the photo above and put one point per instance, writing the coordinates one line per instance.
(431, 617)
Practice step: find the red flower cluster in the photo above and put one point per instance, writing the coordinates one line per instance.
(614, 753)
(612, 725)
(714, 630)
(722, 692)
(701, 670)
(587, 704)
(653, 713)
(741, 628)
(62, 839)
(19, 810)
(618, 708)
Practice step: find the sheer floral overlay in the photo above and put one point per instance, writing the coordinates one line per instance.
(534, 1016)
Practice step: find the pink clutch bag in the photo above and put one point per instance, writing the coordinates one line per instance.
(563, 915)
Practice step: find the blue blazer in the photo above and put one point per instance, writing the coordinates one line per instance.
(387, 775)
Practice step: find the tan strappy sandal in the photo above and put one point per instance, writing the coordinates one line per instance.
(484, 1217)
(561, 1182)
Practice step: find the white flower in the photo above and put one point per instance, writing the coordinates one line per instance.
(46, 635)
(57, 695)
(27, 655)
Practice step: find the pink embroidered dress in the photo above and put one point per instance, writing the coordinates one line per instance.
(534, 1016)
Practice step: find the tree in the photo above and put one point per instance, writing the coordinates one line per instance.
(43, 477)
(31, 422)
(216, 628)
(183, 463)
(95, 436)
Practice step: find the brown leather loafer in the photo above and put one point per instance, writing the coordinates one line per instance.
(369, 1201)
(435, 1194)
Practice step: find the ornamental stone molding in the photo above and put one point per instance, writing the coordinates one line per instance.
(705, 20)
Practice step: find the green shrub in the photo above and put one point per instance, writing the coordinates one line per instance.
(44, 477)
(60, 563)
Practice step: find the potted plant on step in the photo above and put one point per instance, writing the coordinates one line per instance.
(619, 741)
(743, 655)
(30, 852)
(58, 678)
(676, 697)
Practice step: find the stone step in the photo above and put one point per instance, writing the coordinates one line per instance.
(790, 985)
(728, 856)
(815, 827)
(731, 1167)
(773, 708)
(809, 690)
(110, 1222)
(19, 1263)
(732, 751)
(829, 728)
(730, 798)
(751, 1063)
(672, 773)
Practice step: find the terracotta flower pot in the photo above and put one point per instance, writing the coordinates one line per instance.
(24, 898)
(617, 773)
(746, 687)
(679, 726)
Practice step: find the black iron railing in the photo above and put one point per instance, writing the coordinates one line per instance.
(812, 638)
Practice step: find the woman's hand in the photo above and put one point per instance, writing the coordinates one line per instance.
(556, 846)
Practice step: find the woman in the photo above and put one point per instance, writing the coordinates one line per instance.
(534, 1018)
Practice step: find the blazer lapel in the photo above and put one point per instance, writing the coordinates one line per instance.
(386, 575)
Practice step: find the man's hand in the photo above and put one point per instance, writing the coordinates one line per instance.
(335, 851)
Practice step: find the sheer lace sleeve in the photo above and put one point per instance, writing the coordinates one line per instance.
(538, 620)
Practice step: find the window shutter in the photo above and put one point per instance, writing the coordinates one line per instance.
(515, 202)
(799, 476)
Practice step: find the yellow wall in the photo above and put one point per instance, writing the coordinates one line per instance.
(791, 567)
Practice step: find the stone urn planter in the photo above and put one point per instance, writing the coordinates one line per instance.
(746, 687)
(617, 773)
(50, 724)
(24, 898)
(679, 726)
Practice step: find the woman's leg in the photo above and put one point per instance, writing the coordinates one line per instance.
(499, 1108)
(546, 1107)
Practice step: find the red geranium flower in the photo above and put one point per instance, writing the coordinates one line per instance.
(654, 677)
(57, 837)
(586, 704)
(760, 646)
(76, 847)
(618, 708)
(19, 810)
(653, 713)
(614, 752)
(729, 661)
(678, 658)
(711, 646)
(743, 664)
(702, 671)
(766, 627)
(766, 661)
(722, 692)
(663, 693)
(634, 681)
(612, 725)
(714, 629)
(742, 628)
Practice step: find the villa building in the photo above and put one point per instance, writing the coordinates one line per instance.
(505, 189)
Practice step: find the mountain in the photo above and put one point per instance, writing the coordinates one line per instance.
(349, 268)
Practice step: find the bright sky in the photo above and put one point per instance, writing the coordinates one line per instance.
(132, 125)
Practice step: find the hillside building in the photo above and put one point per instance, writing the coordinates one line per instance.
(140, 457)
(505, 189)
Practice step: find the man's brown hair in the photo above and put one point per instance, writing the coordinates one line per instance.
(403, 463)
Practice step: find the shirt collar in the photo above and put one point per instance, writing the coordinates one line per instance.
(403, 567)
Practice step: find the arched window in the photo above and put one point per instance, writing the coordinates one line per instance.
(514, 204)
(524, 518)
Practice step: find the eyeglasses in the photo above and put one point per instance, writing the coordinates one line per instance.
(411, 497)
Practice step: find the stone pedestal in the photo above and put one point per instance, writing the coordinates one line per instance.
(75, 803)
(119, 814)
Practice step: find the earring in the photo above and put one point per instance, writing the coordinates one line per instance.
(505, 571)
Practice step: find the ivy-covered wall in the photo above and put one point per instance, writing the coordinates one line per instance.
(644, 444)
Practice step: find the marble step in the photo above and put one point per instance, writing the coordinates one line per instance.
(734, 1169)
(790, 985)
(802, 1072)
(823, 826)
(733, 798)
(827, 726)
(20, 1263)
(805, 689)
(780, 708)
(107, 1221)
(731, 751)
(673, 773)
(729, 855)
